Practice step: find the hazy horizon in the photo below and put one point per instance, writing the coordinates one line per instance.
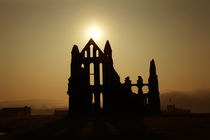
(196, 101)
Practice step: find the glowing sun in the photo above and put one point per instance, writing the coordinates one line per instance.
(94, 32)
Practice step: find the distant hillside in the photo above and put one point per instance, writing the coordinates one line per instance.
(197, 101)
(35, 103)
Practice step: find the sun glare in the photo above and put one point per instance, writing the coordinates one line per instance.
(94, 32)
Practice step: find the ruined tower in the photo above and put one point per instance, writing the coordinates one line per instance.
(92, 77)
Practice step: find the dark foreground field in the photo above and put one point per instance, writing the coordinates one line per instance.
(182, 127)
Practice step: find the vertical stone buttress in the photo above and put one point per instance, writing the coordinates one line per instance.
(153, 95)
(72, 86)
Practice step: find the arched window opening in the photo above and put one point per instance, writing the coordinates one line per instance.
(101, 100)
(147, 101)
(91, 50)
(92, 74)
(91, 80)
(85, 54)
(91, 68)
(93, 98)
(134, 89)
(82, 66)
(101, 73)
(97, 53)
(145, 89)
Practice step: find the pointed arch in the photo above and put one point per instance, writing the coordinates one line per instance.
(91, 74)
(93, 98)
(101, 73)
(97, 53)
(101, 100)
(85, 54)
(145, 89)
(91, 50)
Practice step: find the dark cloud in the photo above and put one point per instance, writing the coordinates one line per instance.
(198, 101)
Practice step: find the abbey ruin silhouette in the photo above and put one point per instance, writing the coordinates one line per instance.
(94, 82)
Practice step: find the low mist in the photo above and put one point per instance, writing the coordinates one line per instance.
(197, 101)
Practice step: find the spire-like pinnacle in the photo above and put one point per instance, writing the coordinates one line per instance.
(107, 48)
(91, 39)
(152, 67)
(75, 50)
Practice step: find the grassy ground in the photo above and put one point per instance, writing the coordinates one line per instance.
(182, 127)
(148, 127)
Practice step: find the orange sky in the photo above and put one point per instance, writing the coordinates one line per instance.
(37, 37)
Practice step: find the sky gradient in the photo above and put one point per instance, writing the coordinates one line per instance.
(36, 38)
